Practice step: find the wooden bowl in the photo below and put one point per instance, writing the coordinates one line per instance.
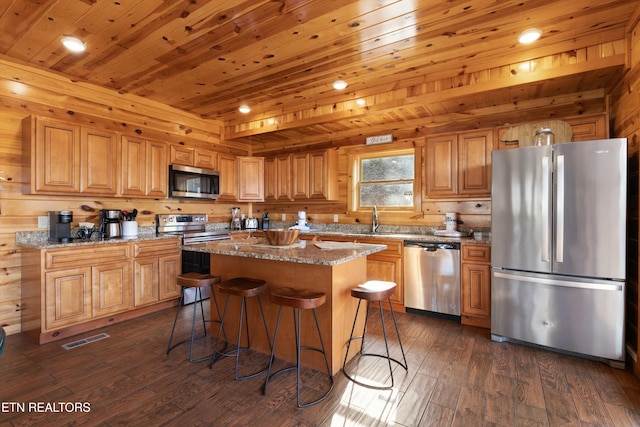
(281, 236)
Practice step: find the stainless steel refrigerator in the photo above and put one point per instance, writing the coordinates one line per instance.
(558, 226)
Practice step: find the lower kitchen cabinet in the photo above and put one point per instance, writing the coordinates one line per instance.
(385, 265)
(156, 265)
(80, 285)
(72, 290)
(476, 285)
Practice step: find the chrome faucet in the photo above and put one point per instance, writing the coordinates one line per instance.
(375, 224)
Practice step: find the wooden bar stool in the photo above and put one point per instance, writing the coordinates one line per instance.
(374, 290)
(298, 300)
(243, 287)
(194, 280)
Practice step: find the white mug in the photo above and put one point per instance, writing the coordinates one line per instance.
(451, 221)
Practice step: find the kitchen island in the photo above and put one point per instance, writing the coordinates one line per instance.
(303, 265)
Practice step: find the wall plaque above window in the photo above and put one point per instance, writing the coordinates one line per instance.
(379, 139)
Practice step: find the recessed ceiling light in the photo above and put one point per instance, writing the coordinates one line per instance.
(339, 84)
(361, 102)
(529, 36)
(244, 109)
(74, 44)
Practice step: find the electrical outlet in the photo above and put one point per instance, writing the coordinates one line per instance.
(284, 217)
(335, 218)
(43, 222)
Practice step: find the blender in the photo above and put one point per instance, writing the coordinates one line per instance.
(236, 219)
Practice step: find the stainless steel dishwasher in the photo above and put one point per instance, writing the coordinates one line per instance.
(432, 276)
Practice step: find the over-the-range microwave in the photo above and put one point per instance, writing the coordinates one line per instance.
(192, 182)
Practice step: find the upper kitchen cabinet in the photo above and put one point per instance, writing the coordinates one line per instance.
(323, 175)
(228, 168)
(315, 175)
(459, 164)
(251, 179)
(583, 128)
(197, 157)
(64, 158)
(98, 162)
(144, 168)
(277, 178)
(300, 175)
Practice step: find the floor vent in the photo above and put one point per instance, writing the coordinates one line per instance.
(84, 341)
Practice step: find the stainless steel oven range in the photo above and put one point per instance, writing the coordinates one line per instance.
(191, 228)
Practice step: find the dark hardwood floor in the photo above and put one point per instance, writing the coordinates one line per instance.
(457, 376)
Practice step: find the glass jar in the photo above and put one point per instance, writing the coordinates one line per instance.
(544, 136)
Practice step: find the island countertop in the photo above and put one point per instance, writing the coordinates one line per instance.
(303, 252)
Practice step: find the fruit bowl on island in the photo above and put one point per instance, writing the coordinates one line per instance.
(281, 236)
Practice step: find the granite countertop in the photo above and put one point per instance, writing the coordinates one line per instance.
(403, 236)
(300, 252)
(40, 242)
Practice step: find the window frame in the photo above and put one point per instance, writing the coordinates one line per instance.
(355, 166)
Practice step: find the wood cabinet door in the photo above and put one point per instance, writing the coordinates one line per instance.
(300, 181)
(323, 172)
(474, 162)
(207, 159)
(381, 267)
(251, 179)
(283, 177)
(67, 297)
(270, 180)
(145, 281)
(589, 128)
(56, 157)
(169, 268)
(111, 288)
(228, 168)
(157, 170)
(180, 155)
(442, 165)
(133, 153)
(99, 162)
(476, 290)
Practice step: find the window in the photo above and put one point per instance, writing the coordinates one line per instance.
(385, 179)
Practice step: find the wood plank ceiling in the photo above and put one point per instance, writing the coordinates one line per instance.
(419, 65)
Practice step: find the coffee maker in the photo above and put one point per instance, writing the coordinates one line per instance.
(60, 226)
(110, 223)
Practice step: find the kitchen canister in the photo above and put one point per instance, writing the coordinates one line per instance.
(451, 221)
(544, 136)
(129, 228)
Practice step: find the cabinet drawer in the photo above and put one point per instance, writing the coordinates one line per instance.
(394, 247)
(477, 253)
(81, 256)
(156, 247)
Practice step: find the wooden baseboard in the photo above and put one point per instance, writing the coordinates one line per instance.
(58, 334)
(481, 322)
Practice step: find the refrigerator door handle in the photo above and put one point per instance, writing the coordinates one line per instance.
(556, 282)
(560, 210)
(546, 218)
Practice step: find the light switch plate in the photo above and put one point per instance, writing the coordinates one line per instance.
(284, 217)
(335, 218)
(43, 222)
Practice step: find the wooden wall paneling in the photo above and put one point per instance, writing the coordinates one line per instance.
(625, 119)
